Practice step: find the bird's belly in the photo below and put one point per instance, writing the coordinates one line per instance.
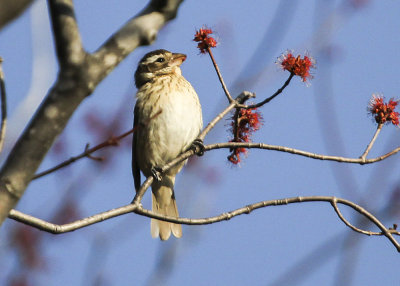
(163, 137)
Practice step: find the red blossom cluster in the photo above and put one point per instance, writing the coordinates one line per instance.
(384, 112)
(297, 65)
(204, 40)
(244, 123)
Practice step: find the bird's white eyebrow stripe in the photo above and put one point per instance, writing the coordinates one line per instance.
(152, 59)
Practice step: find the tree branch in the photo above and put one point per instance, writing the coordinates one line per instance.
(244, 96)
(66, 34)
(360, 161)
(369, 147)
(221, 79)
(239, 104)
(3, 98)
(112, 141)
(265, 101)
(12, 9)
(138, 209)
(139, 31)
(80, 73)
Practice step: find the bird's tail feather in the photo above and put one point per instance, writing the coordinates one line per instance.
(164, 203)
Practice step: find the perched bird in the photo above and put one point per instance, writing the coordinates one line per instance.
(168, 119)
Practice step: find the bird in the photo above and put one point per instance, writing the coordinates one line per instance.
(167, 119)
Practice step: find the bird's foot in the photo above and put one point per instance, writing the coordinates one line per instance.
(156, 172)
(198, 147)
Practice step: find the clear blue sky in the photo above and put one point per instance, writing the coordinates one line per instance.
(357, 54)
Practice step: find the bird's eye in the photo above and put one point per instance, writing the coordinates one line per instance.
(160, 60)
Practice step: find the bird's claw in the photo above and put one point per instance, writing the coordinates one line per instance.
(198, 147)
(156, 172)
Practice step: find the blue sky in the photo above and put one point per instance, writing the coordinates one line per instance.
(357, 55)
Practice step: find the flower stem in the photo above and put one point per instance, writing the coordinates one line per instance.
(279, 91)
(228, 95)
(369, 147)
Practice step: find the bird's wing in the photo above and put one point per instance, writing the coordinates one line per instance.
(135, 166)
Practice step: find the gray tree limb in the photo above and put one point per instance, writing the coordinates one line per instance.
(12, 9)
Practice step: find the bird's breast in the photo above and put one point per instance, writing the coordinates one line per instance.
(170, 119)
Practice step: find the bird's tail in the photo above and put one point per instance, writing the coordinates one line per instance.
(164, 203)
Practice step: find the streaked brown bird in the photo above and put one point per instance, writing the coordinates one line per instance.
(168, 119)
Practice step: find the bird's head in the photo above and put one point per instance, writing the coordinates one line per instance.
(158, 63)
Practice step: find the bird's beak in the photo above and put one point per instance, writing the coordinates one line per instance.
(177, 60)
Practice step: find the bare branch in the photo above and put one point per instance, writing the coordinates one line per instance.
(139, 31)
(369, 147)
(112, 141)
(57, 229)
(138, 209)
(346, 222)
(228, 95)
(360, 161)
(3, 98)
(245, 95)
(238, 104)
(66, 33)
(384, 231)
(12, 9)
(265, 101)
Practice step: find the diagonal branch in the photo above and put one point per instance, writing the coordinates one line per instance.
(141, 30)
(268, 99)
(112, 141)
(369, 147)
(346, 222)
(221, 79)
(239, 104)
(244, 96)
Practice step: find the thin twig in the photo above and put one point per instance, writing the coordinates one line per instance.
(279, 91)
(228, 95)
(138, 209)
(300, 152)
(384, 231)
(3, 98)
(378, 130)
(245, 95)
(346, 222)
(112, 141)
(147, 183)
